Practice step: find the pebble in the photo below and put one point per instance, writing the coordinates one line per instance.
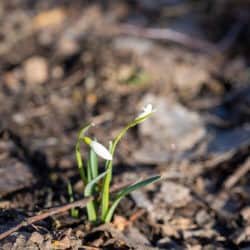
(67, 47)
(36, 238)
(36, 71)
(174, 194)
(202, 218)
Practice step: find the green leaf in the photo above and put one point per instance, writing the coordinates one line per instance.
(105, 186)
(91, 210)
(73, 211)
(91, 206)
(126, 191)
(93, 163)
(79, 162)
(79, 158)
(90, 185)
(88, 172)
(85, 179)
(92, 173)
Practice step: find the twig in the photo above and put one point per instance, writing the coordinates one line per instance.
(90, 247)
(137, 214)
(218, 202)
(168, 35)
(50, 212)
(231, 36)
(71, 81)
(234, 178)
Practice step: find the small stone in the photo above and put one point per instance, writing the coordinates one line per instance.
(36, 238)
(79, 234)
(45, 38)
(202, 233)
(246, 214)
(196, 247)
(125, 72)
(5, 204)
(57, 72)
(7, 246)
(241, 236)
(210, 247)
(175, 195)
(20, 242)
(168, 243)
(64, 243)
(169, 230)
(120, 223)
(67, 47)
(136, 236)
(19, 118)
(182, 223)
(36, 71)
(12, 80)
(141, 199)
(202, 218)
(47, 245)
(49, 18)
(189, 78)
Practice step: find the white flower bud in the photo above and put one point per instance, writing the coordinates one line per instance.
(100, 150)
(146, 111)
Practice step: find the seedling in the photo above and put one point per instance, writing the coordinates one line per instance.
(96, 184)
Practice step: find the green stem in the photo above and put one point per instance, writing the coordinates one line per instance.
(80, 162)
(105, 194)
(108, 177)
(79, 159)
(91, 209)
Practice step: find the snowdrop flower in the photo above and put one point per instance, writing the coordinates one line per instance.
(148, 109)
(101, 150)
(98, 148)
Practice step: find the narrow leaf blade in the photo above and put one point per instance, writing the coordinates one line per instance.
(79, 158)
(93, 163)
(106, 186)
(90, 185)
(126, 191)
(137, 185)
(91, 210)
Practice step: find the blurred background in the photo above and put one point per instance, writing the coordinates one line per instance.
(66, 63)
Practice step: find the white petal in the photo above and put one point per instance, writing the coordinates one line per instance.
(100, 150)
